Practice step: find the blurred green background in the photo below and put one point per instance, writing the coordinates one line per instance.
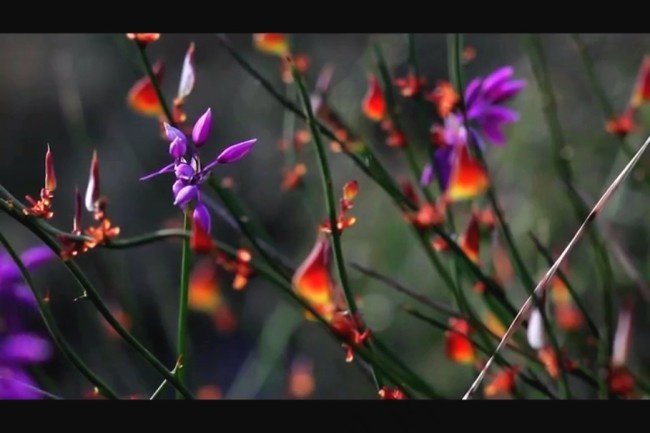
(69, 90)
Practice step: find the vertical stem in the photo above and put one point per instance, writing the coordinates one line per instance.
(330, 201)
(156, 85)
(182, 307)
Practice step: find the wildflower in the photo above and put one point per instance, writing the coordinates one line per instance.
(567, 314)
(391, 393)
(313, 281)
(293, 176)
(374, 104)
(619, 378)
(484, 102)
(458, 346)
(96, 204)
(271, 43)
(190, 173)
(43, 208)
(142, 96)
(143, 38)
(352, 329)
(350, 190)
(410, 85)
(20, 347)
(300, 61)
(185, 86)
(503, 381)
(301, 378)
(445, 97)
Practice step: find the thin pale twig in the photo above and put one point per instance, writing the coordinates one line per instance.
(541, 286)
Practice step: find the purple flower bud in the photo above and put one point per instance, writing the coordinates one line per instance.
(177, 148)
(177, 186)
(185, 195)
(427, 175)
(232, 153)
(202, 215)
(184, 171)
(174, 133)
(202, 128)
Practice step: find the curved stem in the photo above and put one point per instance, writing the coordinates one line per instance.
(53, 329)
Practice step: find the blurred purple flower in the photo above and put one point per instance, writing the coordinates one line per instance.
(187, 168)
(19, 347)
(485, 99)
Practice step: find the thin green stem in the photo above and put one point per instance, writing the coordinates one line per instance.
(14, 210)
(165, 382)
(52, 327)
(535, 51)
(183, 303)
(330, 201)
(455, 46)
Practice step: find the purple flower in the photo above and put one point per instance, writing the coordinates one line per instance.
(448, 137)
(187, 167)
(485, 98)
(19, 347)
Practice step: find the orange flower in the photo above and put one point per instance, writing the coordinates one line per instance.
(301, 378)
(470, 240)
(301, 62)
(42, 208)
(641, 92)
(271, 43)
(204, 293)
(143, 38)
(428, 215)
(623, 124)
(459, 347)
(503, 382)
(293, 176)
(547, 355)
(374, 104)
(445, 97)
(410, 85)
(313, 280)
(391, 393)
(143, 98)
(350, 328)
(468, 177)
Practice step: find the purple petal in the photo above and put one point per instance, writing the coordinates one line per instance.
(17, 384)
(232, 153)
(442, 164)
(500, 114)
(472, 91)
(24, 348)
(165, 169)
(427, 175)
(454, 132)
(508, 90)
(202, 128)
(493, 132)
(184, 171)
(174, 133)
(202, 215)
(496, 78)
(178, 185)
(37, 256)
(185, 195)
(22, 293)
(177, 148)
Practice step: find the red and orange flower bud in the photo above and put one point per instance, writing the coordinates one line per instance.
(470, 241)
(271, 43)
(391, 393)
(374, 104)
(50, 176)
(641, 92)
(142, 97)
(410, 85)
(468, 177)
(143, 38)
(445, 97)
(458, 346)
(352, 329)
(204, 294)
(313, 280)
(503, 382)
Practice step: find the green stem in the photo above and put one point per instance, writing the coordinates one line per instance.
(14, 210)
(183, 303)
(164, 383)
(52, 327)
(330, 201)
(535, 50)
